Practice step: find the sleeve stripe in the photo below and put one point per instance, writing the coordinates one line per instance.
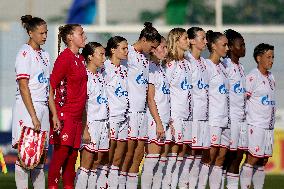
(19, 75)
(23, 76)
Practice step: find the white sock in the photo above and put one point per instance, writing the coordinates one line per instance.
(232, 180)
(215, 178)
(113, 177)
(21, 176)
(185, 167)
(167, 179)
(150, 163)
(176, 173)
(203, 176)
(122, 180)
(82, 177)
(223, 178)
(158, 175)
(102, 176)
(93, 177)
(258, 177)
(246, 176)
(132, 181)
(37, 177)
(194, 172)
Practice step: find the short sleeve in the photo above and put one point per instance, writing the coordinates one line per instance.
(23, 65)
(250, 84)
(59, 71)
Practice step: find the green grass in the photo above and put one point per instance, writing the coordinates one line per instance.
(271, 182)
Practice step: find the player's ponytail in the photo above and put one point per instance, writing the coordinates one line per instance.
(63, 32)
(30, 23)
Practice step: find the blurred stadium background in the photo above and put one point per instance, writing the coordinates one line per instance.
(258, 21)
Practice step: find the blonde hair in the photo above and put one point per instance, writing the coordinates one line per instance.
(173, 38)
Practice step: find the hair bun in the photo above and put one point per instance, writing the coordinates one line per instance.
(26, 18)
(148, 25)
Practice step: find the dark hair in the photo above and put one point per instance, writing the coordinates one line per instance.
(112, 43)
(63, 32)
(30, 23)
(211, 38)
(191, 32)
(261, 49)
(232, 35)
(89, 49)
(150, 33)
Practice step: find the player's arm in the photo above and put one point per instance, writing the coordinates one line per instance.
(27, 99)
(85, 134)
(55, 120)
(154, 110)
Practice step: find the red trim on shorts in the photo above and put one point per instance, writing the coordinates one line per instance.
(85, 147)
(120, 140)
(257, 156)
(187, 142)
(197, 147)
(103, 150)
(156, 142)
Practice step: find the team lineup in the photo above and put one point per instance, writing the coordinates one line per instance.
(192, 119)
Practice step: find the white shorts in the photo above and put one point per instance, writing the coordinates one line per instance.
(239, 136)
(152, 135)
(220, 136)
(99, 132)
(260, 141)
(137, 129)
(183, 130)
(21, 117)
(119, 127)
(200, 135)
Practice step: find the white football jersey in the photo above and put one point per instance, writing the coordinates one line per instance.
(200, 87)
(158, 78)
(97, 102)
(35, 66)
(218, 95)
(116, 87)
(179, 76)
(261, 104)
(138, 74)
(237, 80)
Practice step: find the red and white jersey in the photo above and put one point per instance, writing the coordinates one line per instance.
(158, 78)
(97, 102)
(138, 74)
(261, 104)
(35, 66)
(218, 95)
(179, 76)
(116, 87)
(237, 81)
(200, 88)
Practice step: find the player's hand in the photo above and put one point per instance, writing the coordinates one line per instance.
(172, 127)
(86, 138)
(56, 123)
(160, 131)
(36, 123)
